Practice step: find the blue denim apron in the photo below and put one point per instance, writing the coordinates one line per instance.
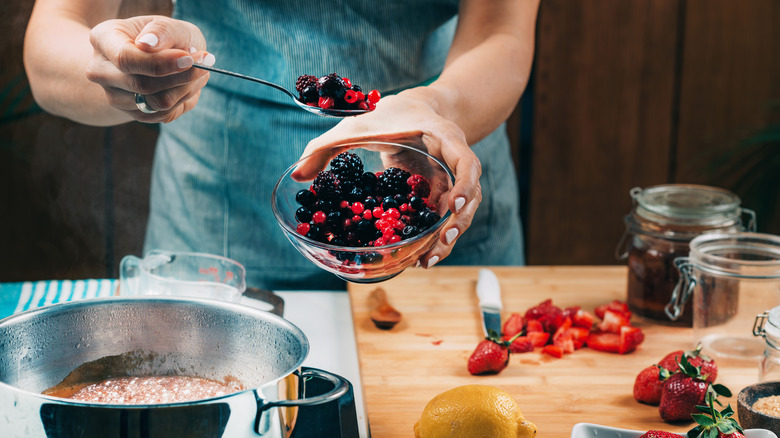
(216, 166)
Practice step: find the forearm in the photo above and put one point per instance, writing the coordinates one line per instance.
(487, 69)
(57, 52)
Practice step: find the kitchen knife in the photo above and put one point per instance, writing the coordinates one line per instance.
(489, 293)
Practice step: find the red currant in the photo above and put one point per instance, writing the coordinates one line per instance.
(303, 229)
(378, 212)
(368, 215)
(373, 96)
(395, 238)
(347, 82)
(350, 96)
(319, 217)
(357, 208)
(344, 204)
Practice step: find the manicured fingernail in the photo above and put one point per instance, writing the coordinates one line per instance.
(193, 50)
(459, 203)
(450, 235)
(185, 62)
(149, 39)
(418, 264)
(209, 60)
(432, 261)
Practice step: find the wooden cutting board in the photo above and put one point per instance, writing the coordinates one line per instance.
(426, 354)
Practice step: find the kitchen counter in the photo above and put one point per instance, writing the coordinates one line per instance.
(426, 353)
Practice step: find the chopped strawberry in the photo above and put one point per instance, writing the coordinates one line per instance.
(553, 350)
(624, 342)
(583, 319)
(548, 314)
(538, 339)
(616, 305)
(521, 344)
(565, 341)
(630, 338)
(579, 333)
(513, 325)
(534, 325)
(612, 321)
(604, 341)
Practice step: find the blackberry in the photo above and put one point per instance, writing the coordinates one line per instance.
(304, 82)
(393, 182)
(356, 194)
(347, 167)
(331, 85)
(326, 185)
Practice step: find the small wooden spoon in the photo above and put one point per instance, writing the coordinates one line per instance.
(383, 314)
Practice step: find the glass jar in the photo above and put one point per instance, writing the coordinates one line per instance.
(730, 278)
(664, 220)
(767, 325)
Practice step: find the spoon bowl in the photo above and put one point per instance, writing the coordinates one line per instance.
(312, 109)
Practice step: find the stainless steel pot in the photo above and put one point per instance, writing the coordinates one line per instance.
(144, 336)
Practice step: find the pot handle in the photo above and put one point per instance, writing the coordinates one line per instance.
(340, 388)
(682, 290)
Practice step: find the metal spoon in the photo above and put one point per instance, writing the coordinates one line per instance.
(311, 109)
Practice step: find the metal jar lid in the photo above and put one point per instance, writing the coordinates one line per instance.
(686, 204)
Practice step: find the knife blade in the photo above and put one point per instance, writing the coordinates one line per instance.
(489, 293)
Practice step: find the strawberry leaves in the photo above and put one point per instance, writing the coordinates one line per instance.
(711, 422)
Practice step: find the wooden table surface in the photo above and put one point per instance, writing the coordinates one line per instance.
(426, 354)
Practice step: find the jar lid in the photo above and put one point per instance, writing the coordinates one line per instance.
(686, 203)
(773, 328)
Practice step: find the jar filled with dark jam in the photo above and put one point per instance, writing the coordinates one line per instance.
(664, 219)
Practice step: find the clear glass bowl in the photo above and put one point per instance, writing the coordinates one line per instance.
(366, 264)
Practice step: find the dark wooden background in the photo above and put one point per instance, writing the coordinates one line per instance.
(623, 94)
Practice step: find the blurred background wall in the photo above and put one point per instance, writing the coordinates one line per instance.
(623, 94)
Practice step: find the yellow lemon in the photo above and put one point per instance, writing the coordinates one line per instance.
(473, 411)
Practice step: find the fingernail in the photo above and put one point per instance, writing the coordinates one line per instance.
(459, 203)
(450, 235)
(432, 261)
(185, 62)
(193, 50)
(209, 60)
(418, 264)
(149, 39)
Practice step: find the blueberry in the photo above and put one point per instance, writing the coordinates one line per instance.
(370, 203)
(409, 231)
(303, 214)
(417, 203)
(389, 203)
(305, 197)
(400, 199)
(334, 217)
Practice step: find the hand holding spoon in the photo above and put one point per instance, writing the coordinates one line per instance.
(312, 109)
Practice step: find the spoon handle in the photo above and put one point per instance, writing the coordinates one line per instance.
(249, 78)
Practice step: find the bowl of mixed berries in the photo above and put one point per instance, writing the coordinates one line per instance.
(372, 210)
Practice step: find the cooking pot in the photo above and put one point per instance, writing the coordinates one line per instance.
(92, 340)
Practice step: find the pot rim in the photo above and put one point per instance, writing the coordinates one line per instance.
(240, 308)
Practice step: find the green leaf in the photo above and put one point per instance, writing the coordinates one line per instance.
(721, 390)
(712, 433)
(704, 420)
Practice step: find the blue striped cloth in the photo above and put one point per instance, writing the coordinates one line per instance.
(18, 297)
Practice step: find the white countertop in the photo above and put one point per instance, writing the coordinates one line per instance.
(326, 319)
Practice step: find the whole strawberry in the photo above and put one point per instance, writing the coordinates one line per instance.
(648, 384)
(490, 357)
(659, 434)
(682, 392)
(709, 369)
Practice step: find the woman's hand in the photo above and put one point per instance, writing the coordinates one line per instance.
(151, 56)
(410, 118)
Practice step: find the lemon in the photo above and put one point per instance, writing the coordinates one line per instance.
(473, 411)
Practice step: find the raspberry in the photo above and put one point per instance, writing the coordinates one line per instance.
(305, 81)
(326, 102)
(393, 182)
(419, 185)
(326, 186)
(347, 167)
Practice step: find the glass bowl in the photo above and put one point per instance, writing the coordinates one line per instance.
(367, 264)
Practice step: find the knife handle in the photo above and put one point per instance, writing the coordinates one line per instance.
(488, 289)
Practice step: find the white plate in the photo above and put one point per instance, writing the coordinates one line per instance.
(585, 430)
